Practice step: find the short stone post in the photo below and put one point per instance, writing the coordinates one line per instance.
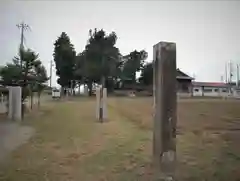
(10, 102)
(15, 103)
(104, 103)
(165, 117)
(97, 102)
(18, 103)
(101, 104)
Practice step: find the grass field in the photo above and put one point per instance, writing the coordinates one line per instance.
(70, 144)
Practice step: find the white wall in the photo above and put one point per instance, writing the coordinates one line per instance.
(197, 91)
(210, 91)
(236, 93)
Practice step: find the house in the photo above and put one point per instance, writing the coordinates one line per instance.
(212, 89)
(184, 82)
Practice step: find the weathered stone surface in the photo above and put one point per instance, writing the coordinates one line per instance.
(104, 103)
(10, 99)
(97, 102)
(15, 103)
(164, 145)
(101, 103)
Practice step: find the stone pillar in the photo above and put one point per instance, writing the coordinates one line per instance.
(10, 103)
(104, 103)
(154, 73)
(97, 102)
(165, 117)
(18, 103)
(15, 103)
(101, 104)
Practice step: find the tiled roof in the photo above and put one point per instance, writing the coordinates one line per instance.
(182, 75)
(210, 84)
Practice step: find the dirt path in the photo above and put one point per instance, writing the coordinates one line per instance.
(12, 135)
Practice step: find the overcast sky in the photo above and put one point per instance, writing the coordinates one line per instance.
(207, 33)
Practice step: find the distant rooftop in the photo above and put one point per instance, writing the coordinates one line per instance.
(210, 84)
(182, 75)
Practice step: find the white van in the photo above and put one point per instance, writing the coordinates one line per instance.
(56, 93)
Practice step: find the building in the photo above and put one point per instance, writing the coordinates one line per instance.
(214, 89)
(184, 82)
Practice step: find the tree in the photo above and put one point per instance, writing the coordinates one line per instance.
(15, 74)
(29, 61)
(79, 72)
(21, 75)
(146, 76)
(10, 74)
(40, 78)
(101, 57)
(134, 62)
(64, 57)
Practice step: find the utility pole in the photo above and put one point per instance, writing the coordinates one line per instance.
(237, 75)
(230, 72)
(230, 76)
(221, 78)
(226, 77)
(22, 26)
(51, 65)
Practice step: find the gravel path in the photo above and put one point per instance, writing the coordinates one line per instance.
(12, 135)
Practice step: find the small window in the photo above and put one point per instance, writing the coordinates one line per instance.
(224, 90)
(215, 90)
(207, 90)
(195, 90)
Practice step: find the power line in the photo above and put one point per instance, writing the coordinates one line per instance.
(23, 27)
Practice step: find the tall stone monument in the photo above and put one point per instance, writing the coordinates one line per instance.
(165, 105)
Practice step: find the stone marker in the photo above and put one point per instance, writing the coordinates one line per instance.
(97, 102)
(164, 136)
(104, 103)
(15, 103)
(10, 100)
(101, 103)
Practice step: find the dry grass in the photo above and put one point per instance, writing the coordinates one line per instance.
(70, 145)
(208, 135)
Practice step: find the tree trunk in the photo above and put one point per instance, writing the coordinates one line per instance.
(90, 88)
(39, 96)
(31, 97)
(79, 92)
(62, 91)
